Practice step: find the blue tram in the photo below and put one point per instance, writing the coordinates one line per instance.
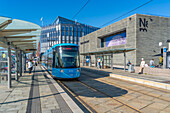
(63, 61)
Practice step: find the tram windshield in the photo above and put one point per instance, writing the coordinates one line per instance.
(69, 57)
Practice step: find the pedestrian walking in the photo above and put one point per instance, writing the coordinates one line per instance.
(30, 66)
(99, 63)
(142, 65)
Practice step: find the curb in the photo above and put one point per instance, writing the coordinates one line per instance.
(73, 106)
(141, 81)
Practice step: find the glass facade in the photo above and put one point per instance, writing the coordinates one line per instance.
(114, 40)
(4, 64)
(63, 31)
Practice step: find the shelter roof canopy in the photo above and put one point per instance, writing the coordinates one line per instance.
(118, 50)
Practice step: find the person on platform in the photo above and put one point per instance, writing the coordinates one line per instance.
(142, 65)
(161, 61)
(99, 63)
(151, 63)
(30, 66)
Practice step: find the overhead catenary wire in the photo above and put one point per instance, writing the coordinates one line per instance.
(81, 9)
(126, 13)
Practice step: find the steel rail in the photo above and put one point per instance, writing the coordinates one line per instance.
(137, 110)
(125, 87)
(90, 108)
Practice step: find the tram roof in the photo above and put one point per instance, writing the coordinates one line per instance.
(118, 50)
(63, 44)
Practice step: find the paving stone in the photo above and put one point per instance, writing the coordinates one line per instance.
(125, 109)
(158, 105)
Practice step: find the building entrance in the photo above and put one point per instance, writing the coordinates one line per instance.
(107, 61)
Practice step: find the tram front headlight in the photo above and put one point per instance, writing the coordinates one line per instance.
(78, 70)
(61, 71)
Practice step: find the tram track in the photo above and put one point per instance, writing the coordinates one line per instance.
(146, 86)
(75, 95)
(92, 108)
(96, 90)
(127, 88)
(89, 107)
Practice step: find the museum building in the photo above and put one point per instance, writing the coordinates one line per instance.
(132, 38)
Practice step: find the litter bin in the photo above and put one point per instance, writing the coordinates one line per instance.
(131, 68)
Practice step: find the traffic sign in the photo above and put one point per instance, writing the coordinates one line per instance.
(164, 49)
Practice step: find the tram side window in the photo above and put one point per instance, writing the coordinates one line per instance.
(50, 58)
(56, 65)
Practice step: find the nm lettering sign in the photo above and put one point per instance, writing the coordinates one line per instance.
(143, 25)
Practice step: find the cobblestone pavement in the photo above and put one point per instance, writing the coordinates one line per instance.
(34, 94)
(144, 99)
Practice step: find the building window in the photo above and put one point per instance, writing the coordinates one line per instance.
(82, 29)
(75, 29)
(66, 28)
(71, 34)
(62, 28)
(75, 33)
(62, 33)
(114, 40)
(66, 33)
(82, 34)
(78, 34)
(78, 29)
(71, 28)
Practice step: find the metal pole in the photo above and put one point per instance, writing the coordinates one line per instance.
(83, 61)
(25, 63)
(95, 61)
(164, 57)
(125, 61)
(16, 65)
(9, 66)
(20, 63)
(102, 61)
(112, 61)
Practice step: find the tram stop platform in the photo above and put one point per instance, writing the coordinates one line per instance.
(36, 93)
(161, 80)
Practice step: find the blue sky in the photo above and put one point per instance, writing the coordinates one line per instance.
(96, 13)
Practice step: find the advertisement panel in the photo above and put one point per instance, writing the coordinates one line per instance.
(115, 40)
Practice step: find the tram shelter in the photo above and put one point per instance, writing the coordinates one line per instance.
(106, 53)
(21, 37)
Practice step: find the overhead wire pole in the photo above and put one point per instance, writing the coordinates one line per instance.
(81, 9)
(127, 13)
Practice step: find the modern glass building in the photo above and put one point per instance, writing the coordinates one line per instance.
(63, 30)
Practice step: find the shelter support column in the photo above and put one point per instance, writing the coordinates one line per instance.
(16, 65)
(164, 57)
(124, 61)
(112, 61)
(83, 61)
(20, 63)
(25, 63)
(90, 61)
(95, 61)
(9, 66)
(103, 61)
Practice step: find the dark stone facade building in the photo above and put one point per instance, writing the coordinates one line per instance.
(142, 32)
